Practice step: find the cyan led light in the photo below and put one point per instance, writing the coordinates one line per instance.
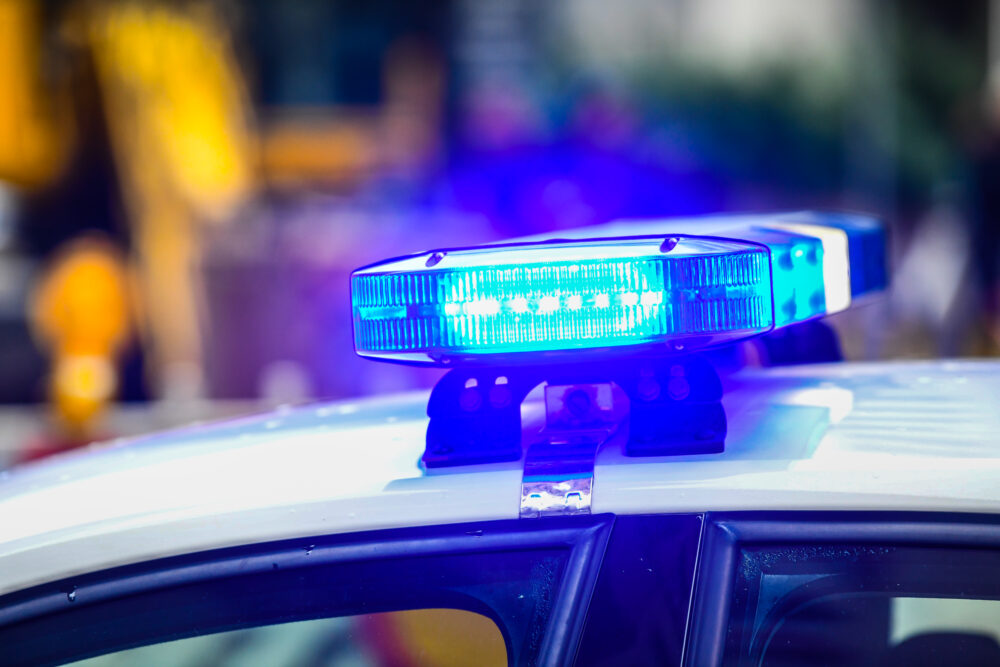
(556, 297)
(797, 275)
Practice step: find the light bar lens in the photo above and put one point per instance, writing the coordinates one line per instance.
(664, 289)
(566, 296)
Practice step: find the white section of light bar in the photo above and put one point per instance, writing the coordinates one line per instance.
(836, 261)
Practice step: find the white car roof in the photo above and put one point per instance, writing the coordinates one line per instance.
(888, 436)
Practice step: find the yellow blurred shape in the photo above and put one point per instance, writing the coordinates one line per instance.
(318, 146)
(32, 144)
(176, 100)
(80, 313)
(81, 388)
(81, 306)
(178, 115)
(448, 637)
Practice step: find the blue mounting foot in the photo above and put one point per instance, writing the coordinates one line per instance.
(674, 407)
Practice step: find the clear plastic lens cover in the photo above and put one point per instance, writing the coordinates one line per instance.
(562, 296)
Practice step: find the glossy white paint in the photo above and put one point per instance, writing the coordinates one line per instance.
(897, 436)
(914, 436)
(310, 471)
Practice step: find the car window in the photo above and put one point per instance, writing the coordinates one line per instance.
(506, 592)
(855, 604)
(439, 637)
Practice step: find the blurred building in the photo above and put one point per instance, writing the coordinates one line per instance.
(244, 157)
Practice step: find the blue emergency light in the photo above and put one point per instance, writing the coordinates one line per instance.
(677, 285)
(614, 308)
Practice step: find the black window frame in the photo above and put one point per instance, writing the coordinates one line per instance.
(641, 605)
(30, 619)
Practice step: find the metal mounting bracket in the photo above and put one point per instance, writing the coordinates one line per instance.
(670, 405)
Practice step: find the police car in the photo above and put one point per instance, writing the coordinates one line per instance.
(587, 484)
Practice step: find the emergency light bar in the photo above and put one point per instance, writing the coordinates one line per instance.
(668, 285)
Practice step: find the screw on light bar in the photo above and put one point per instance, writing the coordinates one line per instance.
(551, 297)
(662, 289)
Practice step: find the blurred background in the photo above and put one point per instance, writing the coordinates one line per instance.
(185, 186)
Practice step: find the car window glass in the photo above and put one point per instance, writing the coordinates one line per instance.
(864, 605)
(910, 617)
(439, 637)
